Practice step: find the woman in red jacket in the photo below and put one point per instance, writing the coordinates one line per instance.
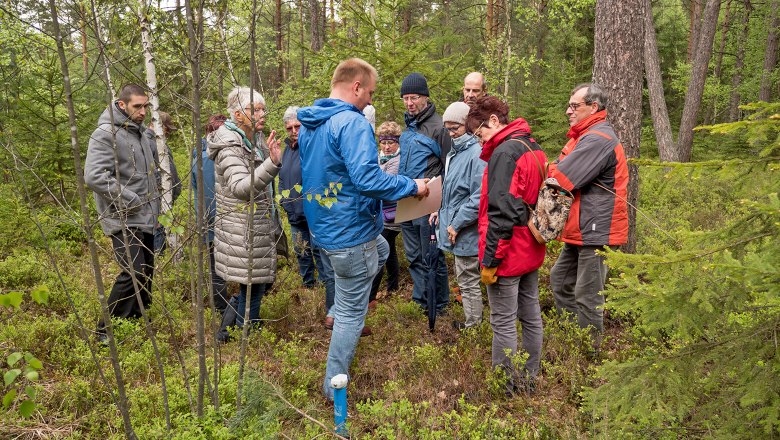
(510, 257)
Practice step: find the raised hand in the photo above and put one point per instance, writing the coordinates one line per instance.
(274, 151)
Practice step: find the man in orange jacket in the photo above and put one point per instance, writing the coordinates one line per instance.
(593, 166)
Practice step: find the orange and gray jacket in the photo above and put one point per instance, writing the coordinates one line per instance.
(593, 166)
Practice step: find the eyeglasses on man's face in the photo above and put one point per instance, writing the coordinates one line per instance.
(413, 98)
(573, 106)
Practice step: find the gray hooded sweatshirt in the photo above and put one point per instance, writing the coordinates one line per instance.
(126, 189)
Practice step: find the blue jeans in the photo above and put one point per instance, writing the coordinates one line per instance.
(354, 268)
(258, 290)
(305, 253)
(328, 278)
(416, 236)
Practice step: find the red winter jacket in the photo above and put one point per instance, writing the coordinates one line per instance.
(511, 177)
(593, 166)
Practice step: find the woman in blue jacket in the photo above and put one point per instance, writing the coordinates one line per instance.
(457, 231)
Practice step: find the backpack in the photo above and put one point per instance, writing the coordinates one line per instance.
(552, 208)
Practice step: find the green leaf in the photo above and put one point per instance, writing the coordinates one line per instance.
(326, 192)
(8, 399)
(308, 197)
(298, 188)
(41, 294)
(30, 391)
(27, 408)
(10, 376)
(338, 185)
(278, 197)
(31, 375)
(178, 229)
(318, 197)
(33, 362)
(285, 193)
(11, 299)
(13, 358)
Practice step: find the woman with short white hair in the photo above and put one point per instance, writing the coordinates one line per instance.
(245, 165)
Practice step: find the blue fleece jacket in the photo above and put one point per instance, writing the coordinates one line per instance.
(337, 146)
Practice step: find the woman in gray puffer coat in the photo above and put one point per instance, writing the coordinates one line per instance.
(231, 147)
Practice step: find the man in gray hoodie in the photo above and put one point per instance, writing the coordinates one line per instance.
(121, 170)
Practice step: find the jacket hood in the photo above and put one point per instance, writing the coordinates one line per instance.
(517, 128)
(414, 121)
(323, 109)
(120, 119)
(221, 138)
(586, 123)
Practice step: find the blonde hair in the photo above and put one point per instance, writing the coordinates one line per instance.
(353, 69)
(389, 128)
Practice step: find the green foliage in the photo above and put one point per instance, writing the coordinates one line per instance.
(706, 308)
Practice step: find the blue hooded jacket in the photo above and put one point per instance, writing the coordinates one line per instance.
(337, 146)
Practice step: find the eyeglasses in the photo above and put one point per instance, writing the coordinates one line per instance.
(575, 105)
(414, 98)
(293, 127)
(477, 131)
(387, 142)
(453, 129)
(259, 112)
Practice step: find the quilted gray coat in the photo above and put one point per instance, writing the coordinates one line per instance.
(232, 244)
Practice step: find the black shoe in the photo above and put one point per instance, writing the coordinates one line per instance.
(101, 337)
(460, 326)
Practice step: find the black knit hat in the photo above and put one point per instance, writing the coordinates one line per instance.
(414, 83)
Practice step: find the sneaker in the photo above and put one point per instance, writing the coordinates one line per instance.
(366, 331)
(328, 324)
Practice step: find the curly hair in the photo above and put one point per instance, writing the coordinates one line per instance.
(389, 128)
(483, 109)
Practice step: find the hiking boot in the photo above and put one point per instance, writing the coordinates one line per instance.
(366, 331)
(458, 325)
(328, 324)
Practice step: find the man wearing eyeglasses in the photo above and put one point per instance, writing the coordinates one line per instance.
(593, 166)
(126, 197)
(424, 147)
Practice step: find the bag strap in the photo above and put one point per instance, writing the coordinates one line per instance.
(538, 163)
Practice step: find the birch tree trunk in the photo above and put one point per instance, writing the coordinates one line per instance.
(696, 84)
(121, 398)
(770, 53)
(164, 157)
(618, 62)
(655, 88)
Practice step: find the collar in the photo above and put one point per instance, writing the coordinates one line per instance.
(585, 124)
(517, 128)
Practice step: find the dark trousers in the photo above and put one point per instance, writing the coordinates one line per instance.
(218, 285)
(391, 265)
(122, 302)
(416, 236)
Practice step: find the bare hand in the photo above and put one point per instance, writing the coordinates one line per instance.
(422, 188)
(273, 148)
(433, 220)
(452, 234)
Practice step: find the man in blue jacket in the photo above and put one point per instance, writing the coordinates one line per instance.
(424, 147)
(338, 154)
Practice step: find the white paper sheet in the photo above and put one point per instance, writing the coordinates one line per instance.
(410, 208)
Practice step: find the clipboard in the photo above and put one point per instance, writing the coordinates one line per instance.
(411, 208)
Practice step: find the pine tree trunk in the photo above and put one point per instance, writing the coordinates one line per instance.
(618, 62)
(712, 112)
(696, 84)
(121, 399)
(83, 32)
(655, 88)
(770, 53)
(695, 27)
(315, 22)
(739, 64)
